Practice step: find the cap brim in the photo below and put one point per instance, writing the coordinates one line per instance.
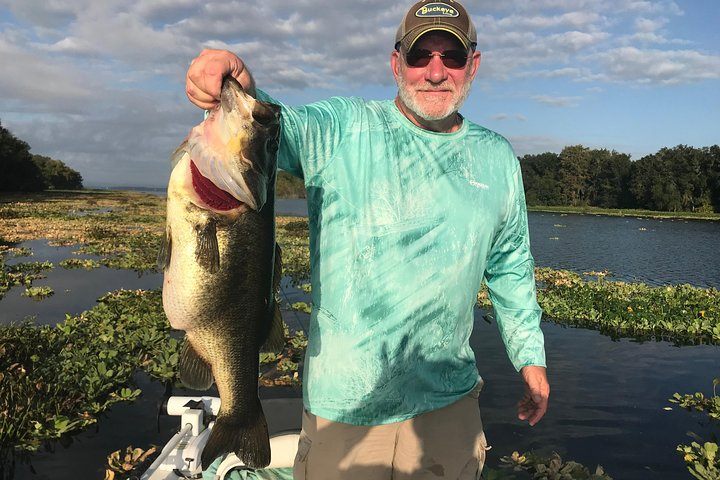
(413, 35)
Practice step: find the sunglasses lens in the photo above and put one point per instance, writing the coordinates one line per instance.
(417, 58)
(454, 58)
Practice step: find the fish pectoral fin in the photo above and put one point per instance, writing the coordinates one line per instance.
(207, 252)
(195, 372)
(163, 259)
(275, 340)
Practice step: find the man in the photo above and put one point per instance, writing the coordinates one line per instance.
(410, 207)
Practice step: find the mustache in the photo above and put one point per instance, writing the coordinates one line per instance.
(443, 87)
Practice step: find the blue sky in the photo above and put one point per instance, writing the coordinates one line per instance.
(100, 85)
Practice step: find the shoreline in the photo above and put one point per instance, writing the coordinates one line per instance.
(9, 197)
(626, 212)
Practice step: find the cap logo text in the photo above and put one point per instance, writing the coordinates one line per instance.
(437, 9)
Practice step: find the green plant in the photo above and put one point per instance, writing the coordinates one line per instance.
(701, 457)
(87, 365)
(551, 468)
(38, 293)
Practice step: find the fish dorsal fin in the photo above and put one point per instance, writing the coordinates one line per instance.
(195, 372)
(163, 259)
(275, 340)
(207, 252)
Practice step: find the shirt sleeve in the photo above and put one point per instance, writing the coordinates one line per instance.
(309, 134)
(511, 283)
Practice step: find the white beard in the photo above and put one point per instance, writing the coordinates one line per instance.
(408, 99)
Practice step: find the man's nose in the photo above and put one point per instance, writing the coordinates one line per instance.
(436, 72)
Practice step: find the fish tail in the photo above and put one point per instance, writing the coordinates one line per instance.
(248, 440)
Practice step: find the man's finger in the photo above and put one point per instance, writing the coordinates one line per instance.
(200, 97)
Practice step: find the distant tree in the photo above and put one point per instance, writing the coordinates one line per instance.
(540, 178)
(607, 184)
(712, 173)
(574, 174)
(18, 173)
(57, 175)
(681, 178)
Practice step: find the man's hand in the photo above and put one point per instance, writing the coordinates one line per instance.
(534, 403)
(206, 72)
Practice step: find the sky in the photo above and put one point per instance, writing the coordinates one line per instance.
(100, 85)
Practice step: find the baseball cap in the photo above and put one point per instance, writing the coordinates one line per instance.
(447, 15)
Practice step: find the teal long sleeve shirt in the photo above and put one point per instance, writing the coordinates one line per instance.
(405, 224)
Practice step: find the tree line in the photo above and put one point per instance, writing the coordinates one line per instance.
(681, 178)
(21, 171)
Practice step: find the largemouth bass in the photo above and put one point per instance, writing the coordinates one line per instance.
(222, 265)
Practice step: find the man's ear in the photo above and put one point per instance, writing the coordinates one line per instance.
(475, 64)
(395, 63)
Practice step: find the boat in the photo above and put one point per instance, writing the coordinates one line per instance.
(180, 457)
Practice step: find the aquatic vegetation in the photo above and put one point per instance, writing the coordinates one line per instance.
(87, 365)
(109, 222)
(677, 313)
(122, 465)
(701, 456)
(550, 468)
(283, 369)
(84, 263)
(126, 250)
(20, 252)
(38, 293)
(292, 236)
(302, 307)
(21, 274)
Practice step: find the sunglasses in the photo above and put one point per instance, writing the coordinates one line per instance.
(454, 59)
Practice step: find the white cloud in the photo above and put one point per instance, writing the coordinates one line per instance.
(574, 20)
(509, 116)
(557, 101)
(648, 66)
(34, 82)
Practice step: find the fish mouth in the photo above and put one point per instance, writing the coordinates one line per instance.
(222, 176)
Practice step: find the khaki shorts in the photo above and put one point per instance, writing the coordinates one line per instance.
(447, 444)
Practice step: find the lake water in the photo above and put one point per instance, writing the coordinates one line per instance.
(608, 397)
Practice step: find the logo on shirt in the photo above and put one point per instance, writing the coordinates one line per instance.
(436, 9)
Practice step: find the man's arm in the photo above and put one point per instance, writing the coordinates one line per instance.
(206, 72)
(511, 285)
